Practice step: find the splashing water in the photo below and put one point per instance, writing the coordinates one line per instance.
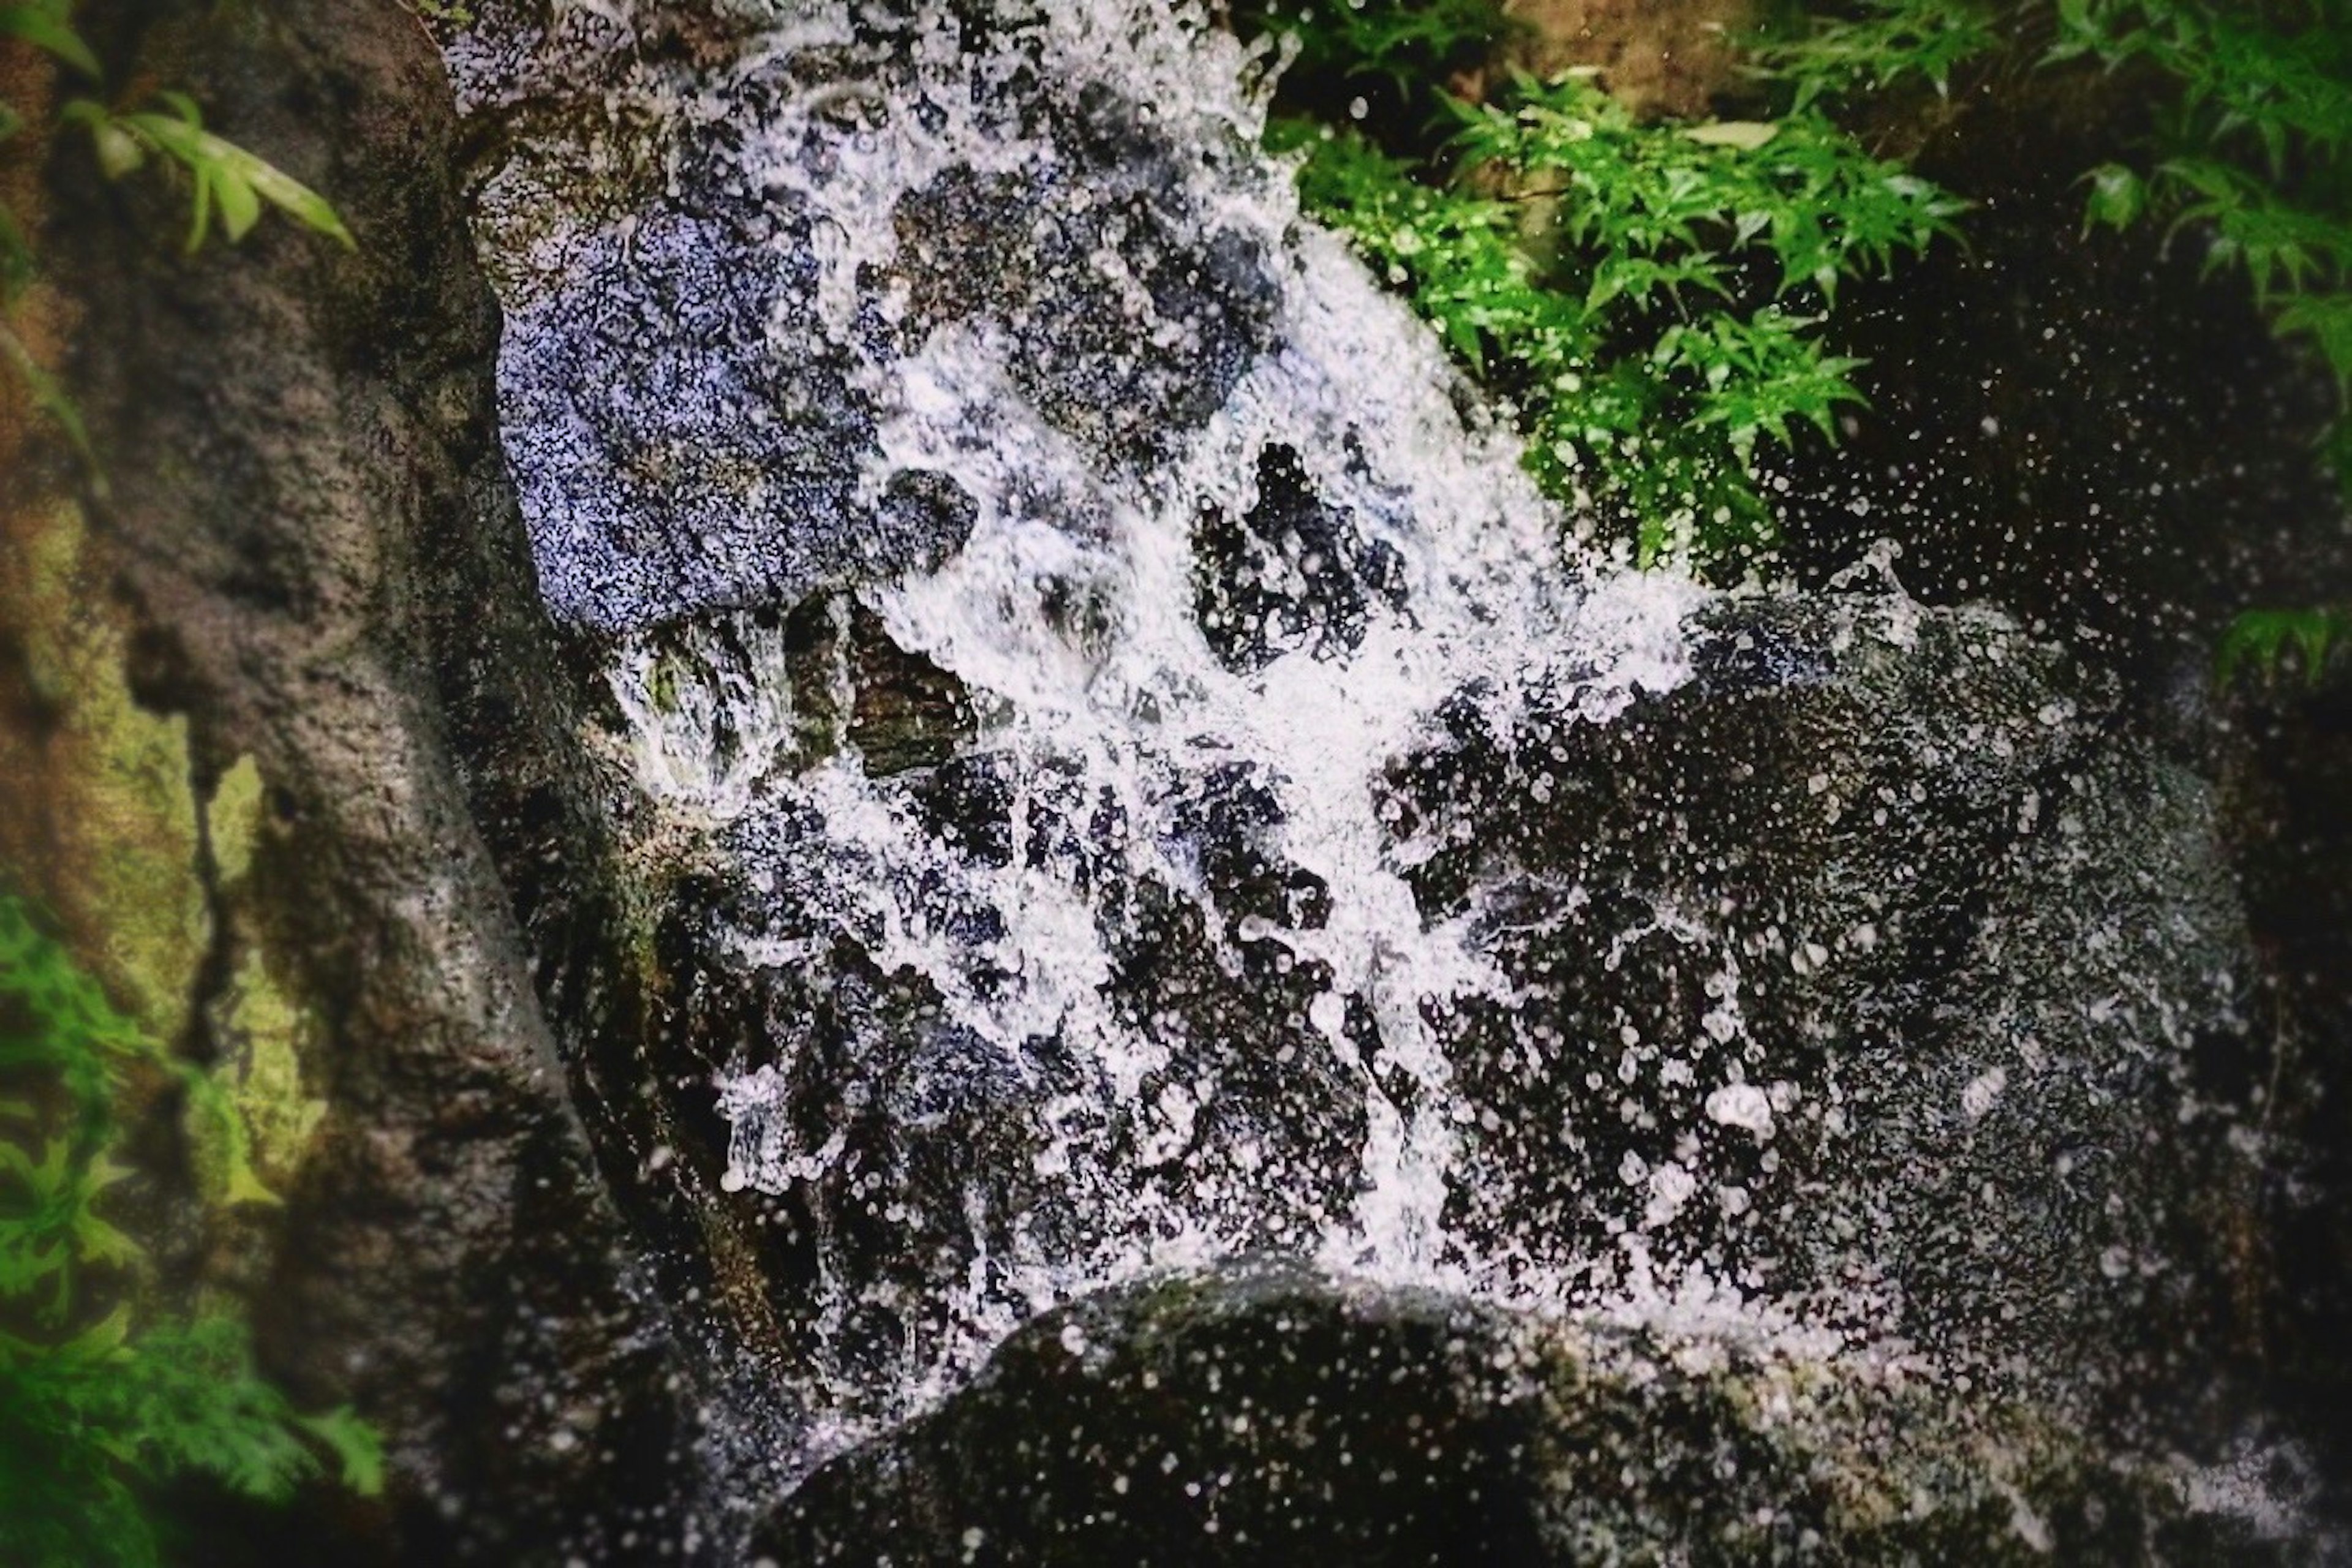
(1072, 618)
(1020, 632)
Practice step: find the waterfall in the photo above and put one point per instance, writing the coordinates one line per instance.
(1130, 731)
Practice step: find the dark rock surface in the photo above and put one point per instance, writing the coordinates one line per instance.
(1292, 572)
(687, 439)
(1883, 957)
(312, 531)
(1268, 1416)
(1884, 968)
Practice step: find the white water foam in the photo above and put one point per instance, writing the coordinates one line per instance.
(1494, 610)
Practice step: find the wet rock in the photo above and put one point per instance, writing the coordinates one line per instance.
(1292, 573)
(1127, 328)
(1262, 1415)
(1878, 970)
(310, 547)
(1878, 962)
(693, 402)
(684, 437)
(1882, 969)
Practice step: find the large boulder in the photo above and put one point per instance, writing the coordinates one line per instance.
(272, 699)
(1883, 964)
(1262, 1415)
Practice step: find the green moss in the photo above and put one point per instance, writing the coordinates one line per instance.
(260, 1028)
(115, 779)
(263, 1033)
(233, 822)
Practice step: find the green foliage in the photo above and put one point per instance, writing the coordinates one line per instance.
(1655, 300)
(1650, 296)
(2261, 640)
(2248, 149)
(163, 125)
(99, 1400)
(1877, 47)
(2249, 145)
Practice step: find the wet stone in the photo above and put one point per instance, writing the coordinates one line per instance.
(1260, 1415)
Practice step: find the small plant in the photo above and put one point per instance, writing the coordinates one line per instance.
(2261, 640)
(1650, 297)
(1875, 46)
(103, 1396)
(2247, 151)
(223, 179)
(1406, 41)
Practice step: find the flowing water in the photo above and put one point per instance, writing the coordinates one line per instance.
(1061, 878)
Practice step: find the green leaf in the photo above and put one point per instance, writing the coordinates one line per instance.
(240, 206)
(357, 1448)
(1747, 135)
(229, 174)
(50, 399)
(48, 30)
(2118, 198)
(297, 201)
(2261, 638)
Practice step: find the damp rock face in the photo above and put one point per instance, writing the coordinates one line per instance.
(309, 556)
(1878, 958)
(694, 413)
(1261, 1415)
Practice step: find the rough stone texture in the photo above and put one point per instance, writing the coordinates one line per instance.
(1880, 961)
(692, 423)
(1021, 254)
(1292, 572)
(319, 578)
(686, 437)
(1658, 56)
(1264, 1415)
(2290, 789)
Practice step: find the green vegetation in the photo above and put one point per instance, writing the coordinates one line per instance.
(2262, 639)
(2247, 136)
(104, 1393)
(1655, 300)
(2246, 148)
(1649, 298)
(1410, 44)
(224, 180)
(110, 1390)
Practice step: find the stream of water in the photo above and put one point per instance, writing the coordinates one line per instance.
(1035, 564)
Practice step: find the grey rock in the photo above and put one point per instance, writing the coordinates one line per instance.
(690, 432)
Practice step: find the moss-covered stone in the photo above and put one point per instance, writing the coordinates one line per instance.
(109, 835)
